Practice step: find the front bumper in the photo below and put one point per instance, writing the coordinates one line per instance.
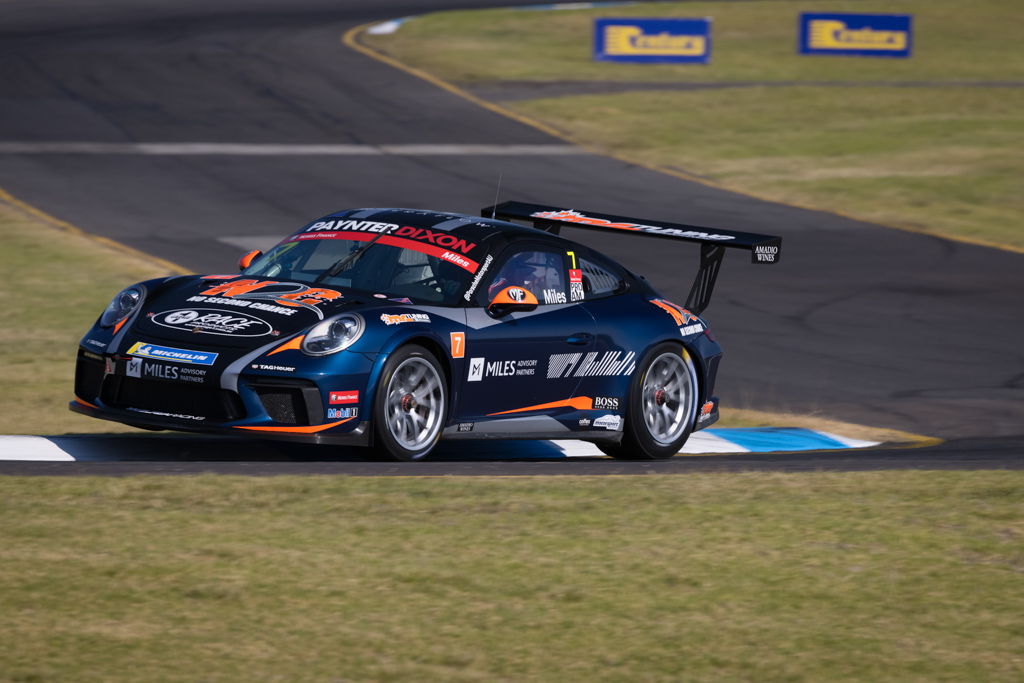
(359, 436)
(265, 405)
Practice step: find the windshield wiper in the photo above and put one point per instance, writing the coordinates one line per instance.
(341, 263)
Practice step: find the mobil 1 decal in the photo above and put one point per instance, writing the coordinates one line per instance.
(213, 321)
(575, 279)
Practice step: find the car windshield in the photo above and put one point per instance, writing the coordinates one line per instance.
(397, 272)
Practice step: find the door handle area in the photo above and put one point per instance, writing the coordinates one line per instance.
(580, 338)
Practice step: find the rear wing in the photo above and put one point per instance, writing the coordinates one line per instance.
(764, 249)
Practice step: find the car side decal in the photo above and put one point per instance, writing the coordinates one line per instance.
(311, 429)
(577, 402)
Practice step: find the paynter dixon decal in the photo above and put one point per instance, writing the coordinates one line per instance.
(436, 243)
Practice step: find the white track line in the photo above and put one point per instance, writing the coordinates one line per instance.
(32, 448)
(274, 149)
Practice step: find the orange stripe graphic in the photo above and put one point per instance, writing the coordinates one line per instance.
(579, 403)
(290, 344)
(311, 429)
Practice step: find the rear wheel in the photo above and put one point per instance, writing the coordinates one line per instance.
(411, 404)
(661, 406)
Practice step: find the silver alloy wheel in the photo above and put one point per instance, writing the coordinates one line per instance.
(668, 396)
(415, 404)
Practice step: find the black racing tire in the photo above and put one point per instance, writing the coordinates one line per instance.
(661, 406)
(410, 406)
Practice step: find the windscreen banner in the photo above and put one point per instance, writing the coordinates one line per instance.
(860, 35)
(653, 40)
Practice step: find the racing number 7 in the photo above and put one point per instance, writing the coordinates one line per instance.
(458, 344)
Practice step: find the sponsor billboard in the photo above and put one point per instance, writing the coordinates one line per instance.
(653, 40)
(862, 35)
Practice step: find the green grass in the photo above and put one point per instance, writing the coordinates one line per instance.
(753, 41)
(55, 284)
(869, 576)
(871, 152)
(941, 158)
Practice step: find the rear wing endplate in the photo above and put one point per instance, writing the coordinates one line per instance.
(764, 249)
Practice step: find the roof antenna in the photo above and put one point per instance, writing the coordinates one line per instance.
(494, 209)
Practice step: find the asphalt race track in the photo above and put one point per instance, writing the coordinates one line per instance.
(178, 454)
(858, 322)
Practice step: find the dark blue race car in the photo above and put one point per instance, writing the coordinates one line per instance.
(395, 328)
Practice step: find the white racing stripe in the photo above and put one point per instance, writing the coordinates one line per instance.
(274, 149)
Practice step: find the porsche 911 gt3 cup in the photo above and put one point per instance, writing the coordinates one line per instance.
(395, 328)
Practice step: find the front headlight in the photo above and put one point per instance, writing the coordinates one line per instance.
(333, 334)
(122, 306)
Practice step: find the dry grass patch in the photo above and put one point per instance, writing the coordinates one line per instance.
(942, 159)
(55, 285)
(867, 576)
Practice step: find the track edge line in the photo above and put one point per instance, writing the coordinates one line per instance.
(64, 226)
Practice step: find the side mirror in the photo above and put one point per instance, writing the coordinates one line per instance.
(247, 260)
(512, 299)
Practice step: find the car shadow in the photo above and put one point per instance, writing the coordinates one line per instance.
(121, 447)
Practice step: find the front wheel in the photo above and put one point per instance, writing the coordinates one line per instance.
(411, 403)
(661, 406)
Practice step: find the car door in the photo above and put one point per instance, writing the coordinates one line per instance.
(622, 324)
(515, 362)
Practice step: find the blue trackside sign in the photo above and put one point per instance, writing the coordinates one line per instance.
(653, 40)
(862, 35)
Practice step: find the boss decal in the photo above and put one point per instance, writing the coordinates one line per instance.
(213, 321)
